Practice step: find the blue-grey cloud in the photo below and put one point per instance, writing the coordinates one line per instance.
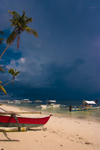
(63, 62)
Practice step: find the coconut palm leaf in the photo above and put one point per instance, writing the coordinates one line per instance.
(2, 70)
(14, 73)
(12, 37)
(2, 89)
(1, 39)
(30, 30)
(1, 32)
(11, 71)
(15, 14)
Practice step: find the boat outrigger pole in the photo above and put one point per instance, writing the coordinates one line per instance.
(13, 115)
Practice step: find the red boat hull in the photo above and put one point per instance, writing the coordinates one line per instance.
(9, 121)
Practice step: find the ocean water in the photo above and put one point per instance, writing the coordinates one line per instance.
(63, 111)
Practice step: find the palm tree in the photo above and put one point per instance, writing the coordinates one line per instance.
(1, 88)
(14, 73)
(1, 69)
(20, 24)
(1, 39)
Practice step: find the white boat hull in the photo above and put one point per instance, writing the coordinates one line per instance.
(50, 106)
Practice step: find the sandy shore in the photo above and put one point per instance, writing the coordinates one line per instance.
(58, 133)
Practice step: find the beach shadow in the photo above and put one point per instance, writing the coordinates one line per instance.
(81, 117)
(41, 129)
(8, 139)
(34, 129)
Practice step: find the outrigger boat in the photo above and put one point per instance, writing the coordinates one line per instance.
(87, 105)
(50, 104)
(90, 105)
(38, 101)
(26, 101)
(13, 119)
(77, 108)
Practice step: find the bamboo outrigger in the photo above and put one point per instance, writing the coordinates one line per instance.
(11, 120)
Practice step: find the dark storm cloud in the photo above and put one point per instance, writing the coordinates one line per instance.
(64, 61)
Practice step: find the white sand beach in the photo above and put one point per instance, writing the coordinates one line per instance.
(58, 133)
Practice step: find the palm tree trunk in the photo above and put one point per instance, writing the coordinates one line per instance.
(18, 41)
(7, 83)
(5, 50)
(13, 81)
(8, 45)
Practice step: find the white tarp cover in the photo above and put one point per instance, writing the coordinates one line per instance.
(89, 102)
(52, 101)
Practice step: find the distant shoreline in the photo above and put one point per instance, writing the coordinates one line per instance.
(70, 115)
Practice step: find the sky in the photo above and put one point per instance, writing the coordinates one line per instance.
(63, 63)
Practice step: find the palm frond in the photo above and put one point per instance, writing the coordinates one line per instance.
(2, 70)
(2, 89)
(27, 20)
(23, 14)
(1, 32)
(1, 39)
(16, 73)
(32, 31)
(11, 71)
(14, 13)
(12, 37)
(14, 22)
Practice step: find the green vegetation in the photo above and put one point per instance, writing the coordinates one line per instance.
(20, 24)
(2, 88)
(13, 73)
(1, 39)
